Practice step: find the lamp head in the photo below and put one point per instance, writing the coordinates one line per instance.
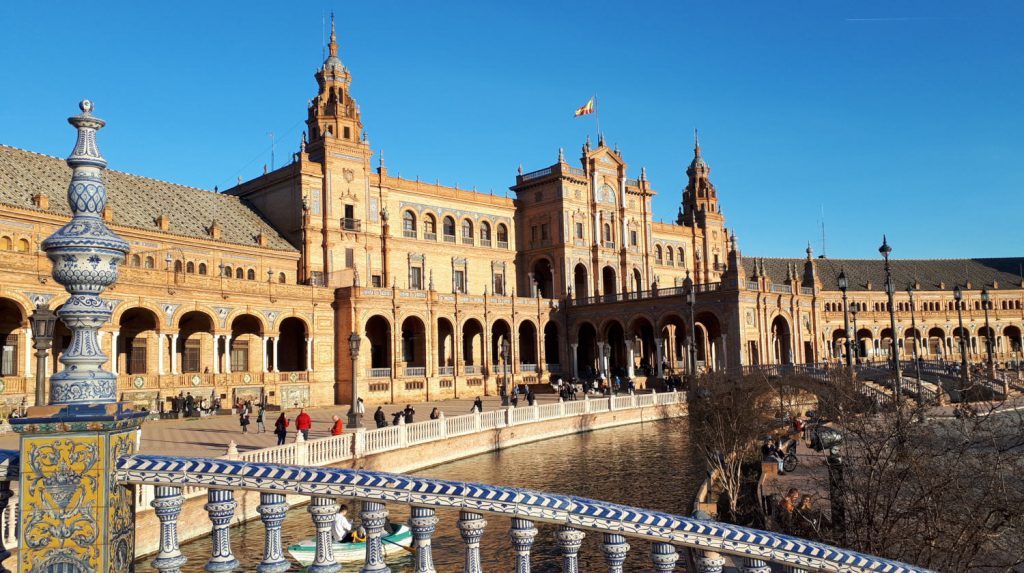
(984, 295)
(843, 282)
(885, 249)
(957, 293)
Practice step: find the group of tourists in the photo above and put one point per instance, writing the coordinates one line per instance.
(245, 410)
(405, 415)
(513, 398)
(187, 404)
(795, 514)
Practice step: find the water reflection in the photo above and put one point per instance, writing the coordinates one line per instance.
(647, 465)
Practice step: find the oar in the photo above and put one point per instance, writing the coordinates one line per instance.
(396, 544)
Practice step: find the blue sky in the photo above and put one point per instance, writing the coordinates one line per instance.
(895, 117)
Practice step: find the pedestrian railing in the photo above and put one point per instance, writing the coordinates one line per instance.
(378, 373)
(707, 545)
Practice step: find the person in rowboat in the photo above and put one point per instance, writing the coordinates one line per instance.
(342, 530)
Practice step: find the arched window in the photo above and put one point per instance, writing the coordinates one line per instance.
(251, 275)
(449, 229)
(280, 278)
(177, 266)
(6, 244)
(657, 253)
(239, 273)
(226, 270)
(136, 260)
(149, 262)
(409, 224)
(202, 268)
(681, 258)
(607, 232)
(502, 235)
(485, 231)
(467, 231)
(190, 267)
(671, 258)
(23, 245)
(430, 225)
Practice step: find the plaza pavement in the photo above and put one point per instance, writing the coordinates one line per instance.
(209, 437)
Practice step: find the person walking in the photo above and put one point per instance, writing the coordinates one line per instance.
(435, 414)
(303, 423)
(531, 398)
(478, 405)
(515, 396)
(380, 417)
(243, 420)
(408, 412)
(338, 428)
(396, 418)
(261, 419)
(281, 428)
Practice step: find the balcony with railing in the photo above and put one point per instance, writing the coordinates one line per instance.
(409, 233)
(527, 367)
(414, 371)
(427, 236)
(467, 240)
(485, 242)
(449, 238)
(351, 224)
(378, 373)
(446, 371)
(502, 244)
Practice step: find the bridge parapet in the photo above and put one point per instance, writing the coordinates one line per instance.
(710, 544)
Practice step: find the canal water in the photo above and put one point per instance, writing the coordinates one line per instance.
(650, 465)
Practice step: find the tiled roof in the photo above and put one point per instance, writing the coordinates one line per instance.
(136, 201)
(929, 273)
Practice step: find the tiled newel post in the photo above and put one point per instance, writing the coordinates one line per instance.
(73, 516)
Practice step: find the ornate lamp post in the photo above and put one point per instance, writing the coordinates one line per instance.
(691, 342)
(355, 412)
(965, 373)
(986, 302)
(854, 307)
(915, 356)
(43, 320)
(506, 350)
(890, 291)
(843, 285)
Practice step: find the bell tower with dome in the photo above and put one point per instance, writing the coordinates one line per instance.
(333, 113)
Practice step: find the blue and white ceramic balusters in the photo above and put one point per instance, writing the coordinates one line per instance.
(272, 509)
(471, 527)
(85, 255)
(323, 510)
(569, 542)
(373, 517)
(167, 503)
(708, 561)
(664, 557)
(755, 566)
(220, 506)
(615, 549)
(523, 534)
(423, 522)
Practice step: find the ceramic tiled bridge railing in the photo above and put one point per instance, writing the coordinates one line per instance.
(711, 545)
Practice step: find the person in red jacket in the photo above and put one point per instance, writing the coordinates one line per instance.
(338, 428)
(303, 423)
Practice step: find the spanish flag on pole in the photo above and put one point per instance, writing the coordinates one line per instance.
(587, 109)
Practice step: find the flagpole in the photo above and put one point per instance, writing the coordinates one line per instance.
(597, 116)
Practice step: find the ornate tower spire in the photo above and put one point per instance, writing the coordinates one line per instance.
(333, 114)
(85, 255)
(700, 197)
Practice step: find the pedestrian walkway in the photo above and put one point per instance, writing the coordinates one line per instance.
(209, 437)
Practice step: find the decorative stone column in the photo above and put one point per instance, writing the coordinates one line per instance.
(630, 372)
(215, 355)
(709, 562)
(309, 355)
(73, 515)
(274, 367)
(227, 354)
(664, 557)
(658, 342)
(323, 510)
(575, 366)
(272, 509)
(174, 353)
